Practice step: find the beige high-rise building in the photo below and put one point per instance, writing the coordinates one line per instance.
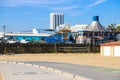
(56, 19)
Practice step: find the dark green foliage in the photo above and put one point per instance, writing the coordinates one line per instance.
(118, 28)
(48, 48)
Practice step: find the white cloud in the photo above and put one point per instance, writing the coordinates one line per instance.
(64, 8)
(29, 2)
(95, 3)
(71, 10)
(74, 13)
(71, 7)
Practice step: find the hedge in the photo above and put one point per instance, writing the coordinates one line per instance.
(47, 48)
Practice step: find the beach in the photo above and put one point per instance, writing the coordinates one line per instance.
(74, 58)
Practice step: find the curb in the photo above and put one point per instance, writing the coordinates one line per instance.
(75, 77)
(1, 76)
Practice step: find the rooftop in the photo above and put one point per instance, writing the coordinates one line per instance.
(110, 43)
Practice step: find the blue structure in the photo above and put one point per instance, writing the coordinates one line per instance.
(29, 38)
(95, 18)
(59, 38)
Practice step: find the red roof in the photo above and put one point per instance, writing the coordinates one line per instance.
(111, 43)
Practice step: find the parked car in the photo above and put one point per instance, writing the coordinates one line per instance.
(24, 41)
(11, 41)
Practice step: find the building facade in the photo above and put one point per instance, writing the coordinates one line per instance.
(77, 28)
(110, 49)
(95, 33)
(56, 19)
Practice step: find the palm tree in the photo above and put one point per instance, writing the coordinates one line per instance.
(118, 28)
(111, 27)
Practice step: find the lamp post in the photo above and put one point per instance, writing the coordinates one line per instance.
(94, 40)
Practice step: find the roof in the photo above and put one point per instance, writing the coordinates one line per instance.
(61, 31)
(95, 26)
(27, 34)
(111, 44)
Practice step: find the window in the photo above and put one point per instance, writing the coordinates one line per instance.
(84, 34)
(96, 34)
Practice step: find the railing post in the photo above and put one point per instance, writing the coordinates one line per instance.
(55, 48)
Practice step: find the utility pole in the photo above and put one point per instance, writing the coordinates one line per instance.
(94, 41)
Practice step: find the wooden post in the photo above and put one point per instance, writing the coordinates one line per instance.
(55, 48)
(4, 52)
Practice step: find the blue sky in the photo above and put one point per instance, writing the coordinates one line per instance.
(22, 15)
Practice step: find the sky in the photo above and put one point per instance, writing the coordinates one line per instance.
(23, 15)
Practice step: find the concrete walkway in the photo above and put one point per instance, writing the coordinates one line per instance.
(25, 72)
(92, 72)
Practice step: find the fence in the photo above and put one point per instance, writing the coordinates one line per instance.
(47, 48)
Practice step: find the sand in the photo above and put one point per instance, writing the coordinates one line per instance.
(74, 58)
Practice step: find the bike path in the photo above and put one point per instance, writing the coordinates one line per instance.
(92, 72)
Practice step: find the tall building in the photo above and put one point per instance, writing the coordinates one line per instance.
(56, 19)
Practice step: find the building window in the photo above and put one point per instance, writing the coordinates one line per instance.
(84, 34)
(91, 34)
(106, 34)
(96, 34)
(111, 34)
(100, 34)
(80, 34)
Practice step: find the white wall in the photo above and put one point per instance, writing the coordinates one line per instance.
(106, 50)
(116, 50)
(76, 28)
(110, 50)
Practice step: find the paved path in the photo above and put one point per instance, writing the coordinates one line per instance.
(24, 72)
(92, 72)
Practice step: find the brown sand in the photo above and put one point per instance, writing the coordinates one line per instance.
(76, 58)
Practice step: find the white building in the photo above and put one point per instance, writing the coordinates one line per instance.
(63, 27)
(35, 31)
(77, 28)
(56, 19)
(110, 49)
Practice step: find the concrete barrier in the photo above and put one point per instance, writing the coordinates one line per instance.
(14, 63)
(43, 67)
(58, 71)
(34, 65)
(28, 64)
(3, 61)
(20, 63)
(9, 62)
(50, 69)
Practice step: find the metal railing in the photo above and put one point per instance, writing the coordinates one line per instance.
(73, 49)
